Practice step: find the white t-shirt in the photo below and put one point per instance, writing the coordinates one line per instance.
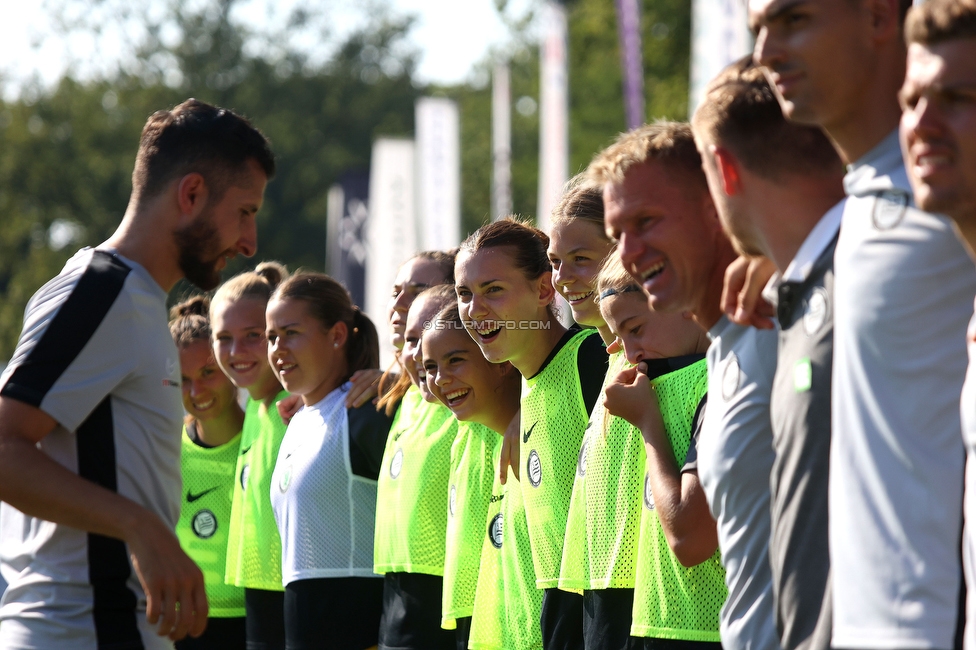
(97, 356)
(735, 457)
(326, 514)
(903, 292)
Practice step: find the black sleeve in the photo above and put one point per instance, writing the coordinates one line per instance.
(691, 460)
(368, 429)
(592, 362)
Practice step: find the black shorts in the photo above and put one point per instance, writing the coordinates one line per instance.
(333, 613)
(265, 619)
(412, 613)
(221, 634)
(607, 616)
(679, 644)
(562, 620)
(463, 632)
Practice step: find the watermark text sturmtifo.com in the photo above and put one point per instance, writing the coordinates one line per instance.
(487, 325)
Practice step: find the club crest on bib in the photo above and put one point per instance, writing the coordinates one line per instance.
(452, 500)
(495, 532)
(730, 377)
(245, 472)
(648, 494)
(533, 468)
(396, 464)
(817, 311)
(204, 524)
(581, 463)
(889, 209)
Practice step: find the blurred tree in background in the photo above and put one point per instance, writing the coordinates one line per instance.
(66, 153)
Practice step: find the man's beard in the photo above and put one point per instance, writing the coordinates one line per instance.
(198, 260)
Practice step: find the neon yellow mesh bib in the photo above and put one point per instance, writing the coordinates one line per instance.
(254, 547)
(411, 495)
(208, 487)
(600, 551)
(468, 494)
(554, 418)
(508, 605)
(488, 614)
(672, 601)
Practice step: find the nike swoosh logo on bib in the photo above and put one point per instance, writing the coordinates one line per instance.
(526, 434)
(190, 497)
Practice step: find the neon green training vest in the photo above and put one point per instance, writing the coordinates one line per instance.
(672, 601)
(508, 605)
(554, 418)
(468, 494)
(208, 486)
(411, 495)
(605, 512)
(488, 614)
(254, 547)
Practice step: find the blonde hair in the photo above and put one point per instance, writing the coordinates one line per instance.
(670, 143)
(614, 279)
(581, 199)
(259, 283)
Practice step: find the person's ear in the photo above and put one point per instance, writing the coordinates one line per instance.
(192, 194)
(340, 334)
(546, 290)
(728, 170)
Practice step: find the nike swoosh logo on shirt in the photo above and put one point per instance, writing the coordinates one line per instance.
(526, 434)
(190, 497)
(246, 449)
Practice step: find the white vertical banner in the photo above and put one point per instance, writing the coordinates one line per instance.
(438, 173)
(335, 206)
(719, 36)
(391, 231)
(553, 111)
(501, 142)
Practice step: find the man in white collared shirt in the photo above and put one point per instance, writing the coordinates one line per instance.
(902, 299)
(779, 193)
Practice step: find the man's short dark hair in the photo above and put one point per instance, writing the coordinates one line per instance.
(936, 21)
(197, 137)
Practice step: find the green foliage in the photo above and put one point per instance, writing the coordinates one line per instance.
(596, 110)
(66, 154)
(66, 158)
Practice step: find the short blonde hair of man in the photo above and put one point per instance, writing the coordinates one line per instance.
(670, 143)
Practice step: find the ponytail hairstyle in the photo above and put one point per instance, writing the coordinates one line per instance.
(442, 296)
(258, 284)
(329, 303)
(190, 321)
(581, 200)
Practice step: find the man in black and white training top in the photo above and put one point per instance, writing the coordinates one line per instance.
(90, 404)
